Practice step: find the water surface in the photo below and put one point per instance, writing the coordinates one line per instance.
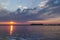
(32, 32)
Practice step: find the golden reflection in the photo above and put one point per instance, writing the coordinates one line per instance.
(11, 29)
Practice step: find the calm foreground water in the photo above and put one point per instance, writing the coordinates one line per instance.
(31, 32)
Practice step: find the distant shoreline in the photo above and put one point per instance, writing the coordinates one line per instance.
(30, 24)
(47, 24)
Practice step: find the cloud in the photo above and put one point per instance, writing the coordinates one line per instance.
(25, 7)
(47, 21)
(53, 3)
(48, 13)
(4, 8)
(51, 11)
(33, 11)
(22, 7)
(49, 3)
(3, 5)
(53, 20)
(43, 4)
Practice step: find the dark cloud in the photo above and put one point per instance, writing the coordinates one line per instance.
(4, 12)
(53, 3)
(51, 11)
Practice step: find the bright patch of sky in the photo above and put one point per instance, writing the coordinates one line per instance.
(14, 4)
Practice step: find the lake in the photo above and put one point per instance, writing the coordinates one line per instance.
(32, 32)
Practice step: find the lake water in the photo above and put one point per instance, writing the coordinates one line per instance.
(32, 32)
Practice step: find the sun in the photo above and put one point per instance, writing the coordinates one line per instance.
(12, 22)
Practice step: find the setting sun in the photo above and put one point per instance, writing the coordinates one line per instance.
(12, 22)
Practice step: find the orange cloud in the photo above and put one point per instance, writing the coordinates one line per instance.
(48, 21)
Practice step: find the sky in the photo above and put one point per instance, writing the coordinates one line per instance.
(14, 4)
(49, 13)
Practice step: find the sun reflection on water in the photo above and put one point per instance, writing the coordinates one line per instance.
(11, 29)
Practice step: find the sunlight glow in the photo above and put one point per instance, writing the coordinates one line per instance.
(12, 22)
